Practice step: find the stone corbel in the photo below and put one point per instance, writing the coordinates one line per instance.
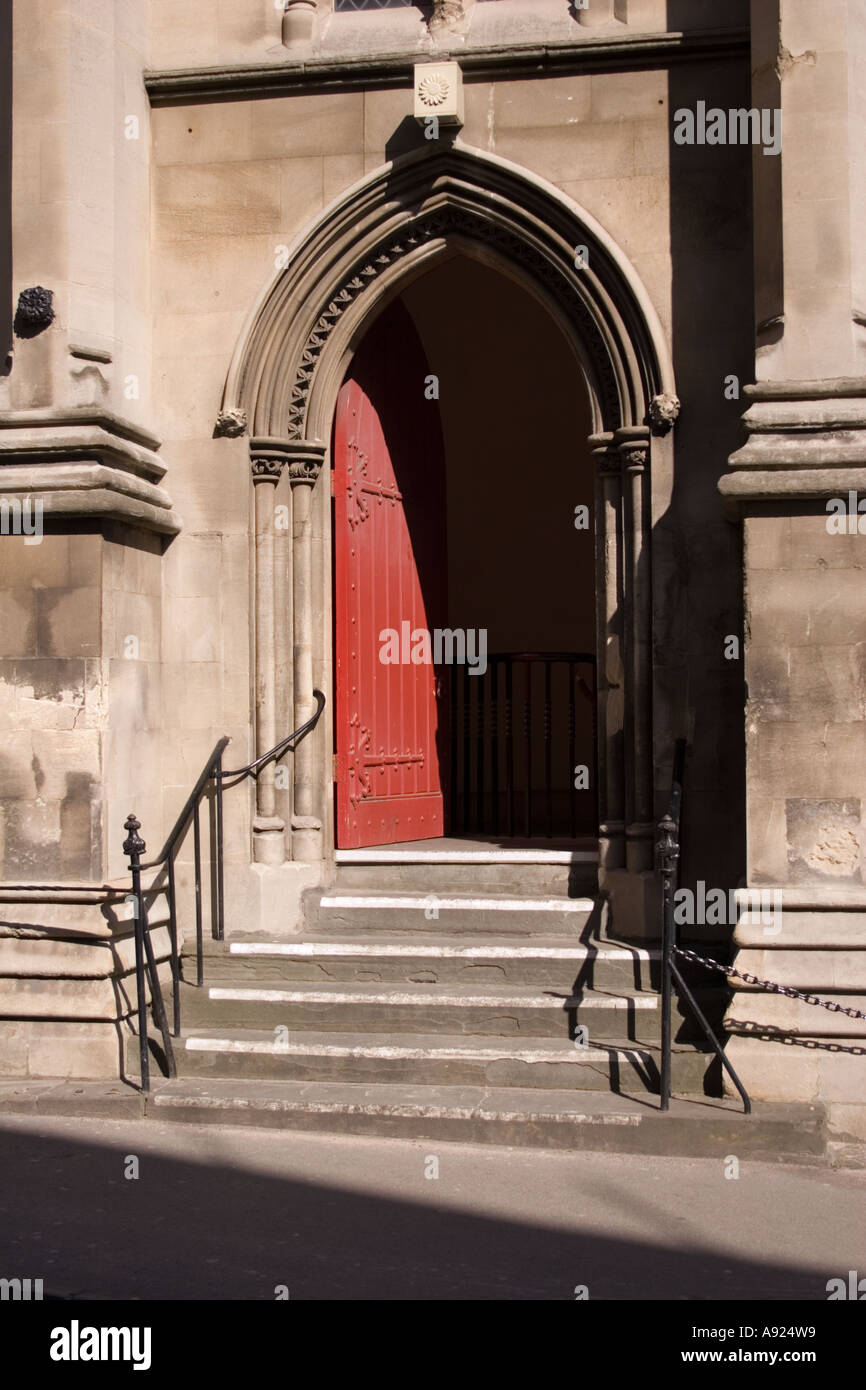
(446, 16)
(663, 413)
(592, 13)
(299, 22)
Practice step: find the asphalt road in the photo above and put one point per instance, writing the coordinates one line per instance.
(233, 1213)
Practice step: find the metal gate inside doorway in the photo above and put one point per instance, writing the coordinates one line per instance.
(523, 741)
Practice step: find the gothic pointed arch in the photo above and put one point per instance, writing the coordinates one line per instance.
(282, 388)
(394, 223)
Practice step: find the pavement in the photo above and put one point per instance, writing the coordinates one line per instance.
(233, 1213)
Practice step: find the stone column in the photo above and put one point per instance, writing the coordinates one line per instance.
(305, 463)
(611, 675)
(267, 459)
(633, 445)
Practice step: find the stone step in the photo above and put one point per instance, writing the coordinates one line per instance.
(494, 1010)
(370, 911)
(554, 1119)
(429, 1059)
(394, 958)
(562, 873)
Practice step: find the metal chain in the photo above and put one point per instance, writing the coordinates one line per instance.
(769, 984)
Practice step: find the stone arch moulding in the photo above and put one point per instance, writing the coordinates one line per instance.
(288, 367)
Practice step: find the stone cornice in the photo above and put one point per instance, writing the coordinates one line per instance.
(115, 425)
(806, 440)
(85, 463)
(340, 74)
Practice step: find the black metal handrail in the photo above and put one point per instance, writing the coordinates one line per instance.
(134, 847)
(668, 859)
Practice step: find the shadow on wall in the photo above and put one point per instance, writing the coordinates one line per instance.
(698, 548)
(689, 14)
(5, 186)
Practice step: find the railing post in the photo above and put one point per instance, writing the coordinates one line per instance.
(199, 944)
(220, 881)
(175, 964)
(668, 853)
(134, 847)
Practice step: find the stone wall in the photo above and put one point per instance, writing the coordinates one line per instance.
(803, 460)
(127, 645)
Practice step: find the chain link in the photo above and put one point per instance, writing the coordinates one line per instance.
(769, 984)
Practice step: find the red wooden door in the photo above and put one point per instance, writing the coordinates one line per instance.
(390, 578)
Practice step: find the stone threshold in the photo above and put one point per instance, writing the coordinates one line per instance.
(452, 855)
(577, 1121)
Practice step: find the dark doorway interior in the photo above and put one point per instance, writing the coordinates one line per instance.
(518, 558)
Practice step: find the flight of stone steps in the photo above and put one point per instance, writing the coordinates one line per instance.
(477, 1001)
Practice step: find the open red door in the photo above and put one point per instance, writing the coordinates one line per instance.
(390, 587)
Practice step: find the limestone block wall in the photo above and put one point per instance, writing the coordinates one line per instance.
(67, 982)
(80, 686)
(805, 731)
(806, 700)
(53, 708)
(80, 158)
(81, 744)
(803, 460)
(81, 699)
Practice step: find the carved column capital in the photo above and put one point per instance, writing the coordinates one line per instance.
(267, 459)
(634, 457)
(269, 456)
(607, 462)
(305, 463)
(631, 444)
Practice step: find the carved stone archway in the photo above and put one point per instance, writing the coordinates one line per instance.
(384, 231)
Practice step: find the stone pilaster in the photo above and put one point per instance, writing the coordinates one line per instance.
(634, 450)
(267, 458)
(305, 464)
(611, 673)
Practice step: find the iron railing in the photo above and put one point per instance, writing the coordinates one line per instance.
(211, 780)
(668, 859)
(509, 729)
